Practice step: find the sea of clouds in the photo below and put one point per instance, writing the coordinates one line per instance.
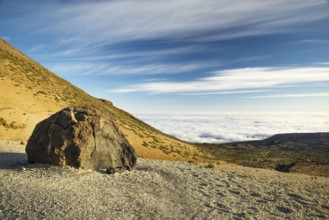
(224, 128)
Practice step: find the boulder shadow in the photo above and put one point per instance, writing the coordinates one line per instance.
(10, 160)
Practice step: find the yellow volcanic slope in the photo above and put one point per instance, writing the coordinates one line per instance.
(30, 93)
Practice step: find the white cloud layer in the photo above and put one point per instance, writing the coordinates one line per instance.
(226, 128)
(237, 79)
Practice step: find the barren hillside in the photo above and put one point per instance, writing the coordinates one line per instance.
(29, 93)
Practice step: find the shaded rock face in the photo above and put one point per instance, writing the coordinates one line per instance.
(81, 137)
(285, 167)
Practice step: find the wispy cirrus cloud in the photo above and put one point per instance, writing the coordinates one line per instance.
(98, 23)
(95, 68)
(227, 92)
(38, 47)
(236, 79)
(83, 30)
(94, 55)
(323, 63)
(112, 21)
(313, 41)
(292, 96)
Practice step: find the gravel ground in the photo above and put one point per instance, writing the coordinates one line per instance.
(156, 190)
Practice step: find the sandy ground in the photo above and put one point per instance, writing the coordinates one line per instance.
(156, 190)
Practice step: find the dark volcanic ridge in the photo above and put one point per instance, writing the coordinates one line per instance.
(298, 137)
(306, 153)
(285, 137)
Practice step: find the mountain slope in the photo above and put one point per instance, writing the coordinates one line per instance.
(29, 93)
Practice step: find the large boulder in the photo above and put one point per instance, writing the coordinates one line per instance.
(82, 137)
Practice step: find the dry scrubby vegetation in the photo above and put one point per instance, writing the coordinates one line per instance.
(12, 125)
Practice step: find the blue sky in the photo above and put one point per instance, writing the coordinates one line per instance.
(182, 56)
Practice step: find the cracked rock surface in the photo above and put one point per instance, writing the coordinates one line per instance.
(82, 137)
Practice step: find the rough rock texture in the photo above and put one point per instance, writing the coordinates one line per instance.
(81, 137)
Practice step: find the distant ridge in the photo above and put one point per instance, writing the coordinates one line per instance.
(306, 153)
(300, 137)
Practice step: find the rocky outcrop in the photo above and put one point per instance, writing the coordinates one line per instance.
(12, 125)
(285, 167)
(81, 137)
(107, 102)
